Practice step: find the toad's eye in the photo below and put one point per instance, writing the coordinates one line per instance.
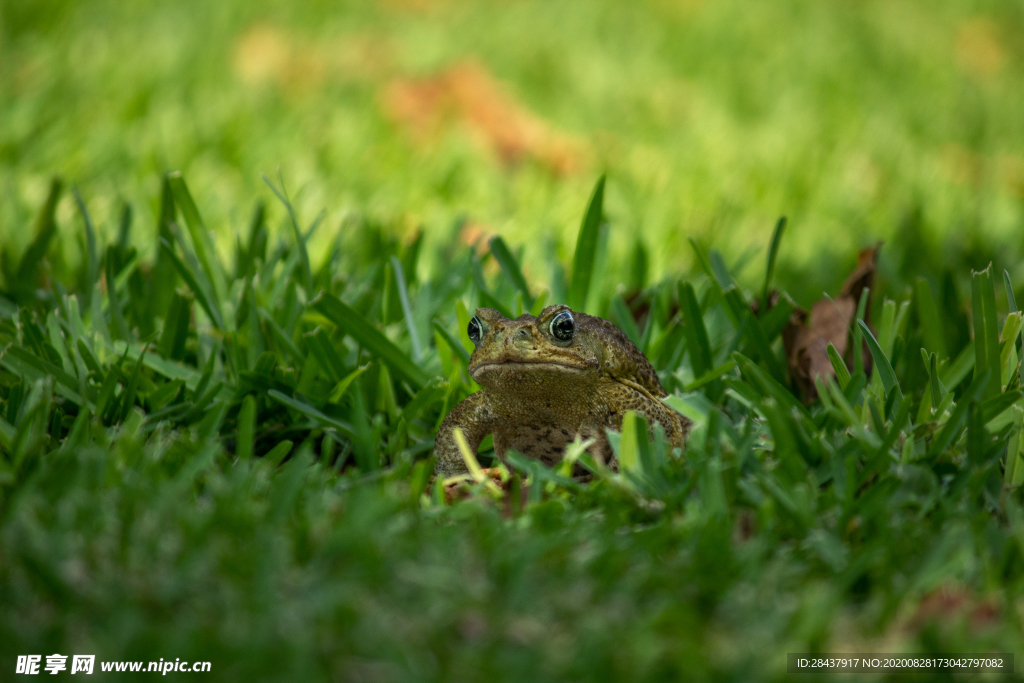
(563, 327)
(475, 330)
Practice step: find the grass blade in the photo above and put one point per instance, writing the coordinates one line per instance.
(209, 426)
(300, 242)
(344, 383)
(777, 319)
(488, 300)
(1011, 300)
(720, 270)
(282, 338)
(1013, 469)
(201, 241)
(955, 372)
(93, 260)
(463, 315)
(454, 343)
(202, 296)
(1008, 360)
(321, 347)
(986, 332)
(762, 345)
(132, 389)
(246, 428)
(403, 297)
(46, 228)
(697, 342)
(885, 335)
(994, 407)
(928, 316)
(120, 326)
(839, 366)
(629, 450)
(956, 421)
(90, 360)
(702, 258)
(434, 390)
(882, 365)
(162, 396)
(586, 249)
(509, 265)
(308, 410)
(773, 253)
(858, 351)
(767, 385)
(24, 363)
(938, 391)
(278, 453)
(164, 280)
(359, 328)
(710, 376)
(624, 319)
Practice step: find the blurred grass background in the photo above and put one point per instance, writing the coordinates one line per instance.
(140, 532)
(859, 120)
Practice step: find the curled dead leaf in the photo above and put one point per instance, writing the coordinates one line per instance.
(807, 336)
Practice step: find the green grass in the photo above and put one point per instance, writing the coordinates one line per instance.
(229, 460)
(860, 121)
(218, 397)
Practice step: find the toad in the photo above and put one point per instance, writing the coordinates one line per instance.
(548, 379)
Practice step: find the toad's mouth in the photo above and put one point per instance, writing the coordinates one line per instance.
(524, 366)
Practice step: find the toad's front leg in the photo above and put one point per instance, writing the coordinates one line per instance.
(476, 420)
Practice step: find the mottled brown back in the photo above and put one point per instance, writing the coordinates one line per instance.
(627, 361)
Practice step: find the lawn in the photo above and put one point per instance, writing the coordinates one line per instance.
(240, 245)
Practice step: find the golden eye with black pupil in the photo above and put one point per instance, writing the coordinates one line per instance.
(563, 327)
(475, 330)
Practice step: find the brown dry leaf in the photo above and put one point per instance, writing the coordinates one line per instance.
(469, 95)
(947, 603)
(863, 275)
(806, 337)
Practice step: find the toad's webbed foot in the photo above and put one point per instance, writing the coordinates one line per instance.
(476, 420)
